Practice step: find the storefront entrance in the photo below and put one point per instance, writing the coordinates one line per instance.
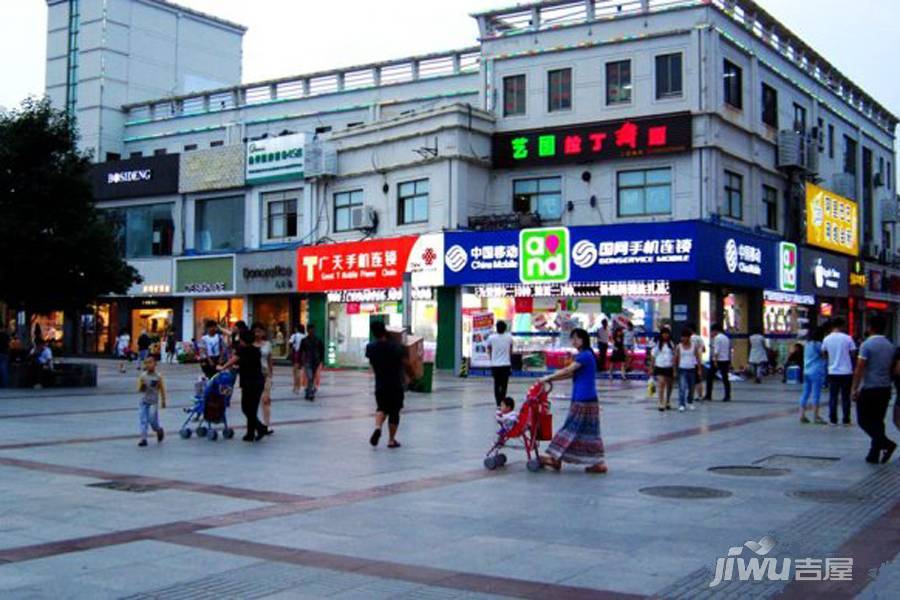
(225, 312)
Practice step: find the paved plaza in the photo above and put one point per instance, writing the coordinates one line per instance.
(314, 511)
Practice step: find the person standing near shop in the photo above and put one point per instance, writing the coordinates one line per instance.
(630, 343)
(211, 349)
(312, 354)
(872, 389)
(700, 345)
(143, 343)
(296, 364)
(123, 348)
(387, 358)
(619, 355)
(499, 345)
(687, 359)
(759, 354)
(261, 341)
(602, 345)
(720, 361)
(248, 359)
(170, 346)
(814, 369)
(662, 359)
(837, 346)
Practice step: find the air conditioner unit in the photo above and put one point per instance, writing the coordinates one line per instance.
(844, 184)
(363, 217)
(792, 152)
(888, 210)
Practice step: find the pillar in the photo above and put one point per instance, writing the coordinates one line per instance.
(447, 334)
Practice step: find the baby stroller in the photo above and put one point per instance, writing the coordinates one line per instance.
(534, 425)
(211, 402)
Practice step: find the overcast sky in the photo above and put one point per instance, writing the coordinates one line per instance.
(287, 37)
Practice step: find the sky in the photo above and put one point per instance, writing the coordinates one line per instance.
(286, 37)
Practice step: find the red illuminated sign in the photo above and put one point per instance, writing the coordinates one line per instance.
(607, 140)
(362, 265)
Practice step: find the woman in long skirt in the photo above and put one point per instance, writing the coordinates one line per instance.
(579, 441)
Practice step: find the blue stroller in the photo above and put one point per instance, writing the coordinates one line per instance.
(211, 403)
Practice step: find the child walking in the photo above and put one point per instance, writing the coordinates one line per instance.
(153, 395)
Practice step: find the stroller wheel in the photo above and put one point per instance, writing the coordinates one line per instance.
(490, 463)
(228, 433)
(213, 435)
(501, 460)
(202, 431)
(534, 465)
(185, 433)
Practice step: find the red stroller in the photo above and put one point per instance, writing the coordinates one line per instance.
(534, 425)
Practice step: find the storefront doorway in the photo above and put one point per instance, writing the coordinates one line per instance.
(225, 312)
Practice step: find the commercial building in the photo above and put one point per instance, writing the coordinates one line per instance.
(659, 161)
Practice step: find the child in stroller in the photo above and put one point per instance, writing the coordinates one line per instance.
(211, 400)
(533, 424)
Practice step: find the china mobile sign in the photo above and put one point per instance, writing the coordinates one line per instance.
(758, 565)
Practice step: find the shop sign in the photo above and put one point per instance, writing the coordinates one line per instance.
(607, 140)
(787, 266)
(574, 290)
(858, 278)
(206, 275)
(156, 276)
(378, 263)
(377, 295)
(135, 177)
(426, 261)
(823, 273)
(265, 272)
(832, 221)
(544, 255)
(275, 159)
(789, 298)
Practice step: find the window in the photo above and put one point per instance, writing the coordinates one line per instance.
(849, 155)
(618, 82)
(881, 169)
(770, 200)
(281, 214)
(890, 179)
(219, 224)
(799, 119)
(540, 195)
(734, 192)
(646, 192)
(136, 154)
(734, 85)
(190, 147)
(216, 143)
(159, 152)
(113, 156)
(143, 231)
(412, 201)
(769, 106)
(513, 95)
(559, 90)
(668, 75)
(344, 202)
(830, 140)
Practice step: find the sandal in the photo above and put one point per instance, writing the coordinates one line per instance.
(549, 461)
(600, 468)
(393, 444)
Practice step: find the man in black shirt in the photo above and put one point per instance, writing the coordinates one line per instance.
(248, 359)
(312, 355)
(387, 360)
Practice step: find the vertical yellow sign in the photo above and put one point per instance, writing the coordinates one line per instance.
(832, 221)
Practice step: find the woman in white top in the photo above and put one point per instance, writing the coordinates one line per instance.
(123, 348)
(296, 364)
(700, 345)
(759, 354)
(662, 357)
(268, 366)
(687, 357)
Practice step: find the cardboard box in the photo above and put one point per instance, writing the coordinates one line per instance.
(415, 351)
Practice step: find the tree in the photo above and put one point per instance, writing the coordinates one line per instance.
(56, 250)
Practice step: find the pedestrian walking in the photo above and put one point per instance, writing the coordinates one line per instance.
(579, 440)
(662, 360)
(171, 340)
(838, 346)
(872, 388)
(212, 348)
(388, 360)
(602, 345)
(152, 388)
(499, 345)
(4, 357)
(248, 360)
(687, 358)
(312, 354)
(619, 355)
(814, 369)
(123, 348)
(629, 339)
(296, 364)
(143, 343)
(261, 341)
(759, 354)
(719, 361)
(700, 345)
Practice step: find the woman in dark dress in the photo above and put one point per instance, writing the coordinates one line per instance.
(248, 360)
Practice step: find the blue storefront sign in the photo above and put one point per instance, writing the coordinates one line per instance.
(674, 251)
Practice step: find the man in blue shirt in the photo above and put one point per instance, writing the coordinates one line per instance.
(872, 389)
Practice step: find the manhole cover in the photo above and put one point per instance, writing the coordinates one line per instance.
(829, 496)
(684, 492)
(749, 471)
(796, 461)
(124, 486)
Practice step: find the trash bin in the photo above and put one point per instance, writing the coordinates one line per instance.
(792, 375)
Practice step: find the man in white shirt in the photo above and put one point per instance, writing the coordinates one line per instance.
(499, 345)
(837, 346)
(602, 345)
(719, 360)
(211, 349)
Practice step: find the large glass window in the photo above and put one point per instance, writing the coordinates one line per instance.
(559, 90)
(850, 155)
(769, 106)
(513, 95)
(618, 82)
(734, 86)
(770, 201)
(219, 224)
(344, 203)
(540, 195)
(734, 195)
(282, 214)
(668, 75)
(413, 202)
(799, 119)
(144, 231)
(646, 192)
